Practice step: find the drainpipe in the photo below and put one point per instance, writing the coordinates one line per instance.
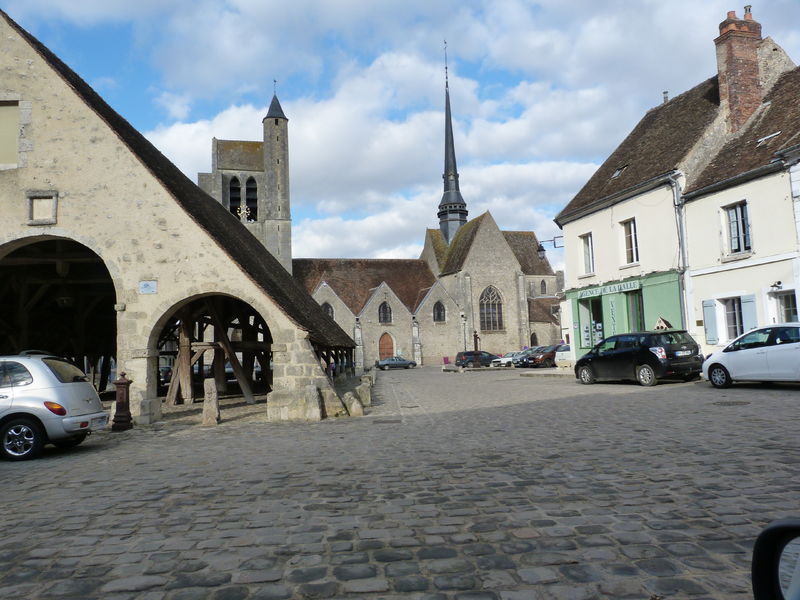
(683, 259)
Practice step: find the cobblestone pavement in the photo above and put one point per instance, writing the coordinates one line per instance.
(454, 486)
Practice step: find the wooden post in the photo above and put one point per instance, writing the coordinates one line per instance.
(184, 358)
(230, 354)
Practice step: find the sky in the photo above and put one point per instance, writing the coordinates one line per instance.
(542, 91)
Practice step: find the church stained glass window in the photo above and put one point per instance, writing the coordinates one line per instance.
(491, 310)
(439, 313)
(384, 313)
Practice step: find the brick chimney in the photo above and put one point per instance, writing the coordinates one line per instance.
(737, 66)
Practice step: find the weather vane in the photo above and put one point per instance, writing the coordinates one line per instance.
(445, 64)
(274, 87)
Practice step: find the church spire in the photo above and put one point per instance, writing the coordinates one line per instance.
(452, 209)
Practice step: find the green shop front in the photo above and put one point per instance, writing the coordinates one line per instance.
(635, 304)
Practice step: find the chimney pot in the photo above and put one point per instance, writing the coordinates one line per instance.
(666, 96)
(732, 14)
(747, 12)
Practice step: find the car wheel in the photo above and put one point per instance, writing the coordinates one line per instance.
(471, 365)
(407, 367)
(385, 367)
(21, 439)
(719, 376)
(645, 375)
(586, 375)
(70, 442)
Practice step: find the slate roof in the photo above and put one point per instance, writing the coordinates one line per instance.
(460, 246)
(655, 147)
(780, 112)
(439, 245)
(354, 279)
(525, 247)
(229, 234)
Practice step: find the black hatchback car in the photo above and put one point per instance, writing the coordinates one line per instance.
(643, 356)
(470, 358)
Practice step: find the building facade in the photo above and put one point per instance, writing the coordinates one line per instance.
(664, 233)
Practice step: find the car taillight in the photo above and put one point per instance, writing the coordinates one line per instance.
(659, 352)
(56, 408)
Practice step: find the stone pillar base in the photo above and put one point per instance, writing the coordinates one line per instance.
(291, 405)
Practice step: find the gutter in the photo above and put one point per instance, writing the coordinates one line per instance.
(683, 265)
(772, 167)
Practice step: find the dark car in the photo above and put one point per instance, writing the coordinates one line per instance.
(472, 358)
(395, 362)
(643, 356)
(544, 356)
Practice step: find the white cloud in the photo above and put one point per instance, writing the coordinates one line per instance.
(177, 106)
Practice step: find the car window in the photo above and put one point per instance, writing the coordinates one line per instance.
(13, 373)
(672, 337)
(754, 339)
(627, 341)
(786, 335)
(64, 371)
(606, 345)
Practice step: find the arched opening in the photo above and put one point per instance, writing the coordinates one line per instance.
(384, 313)
(385, 346)
(534, 340)
(251, 199)
(439, 313)
(327, 309)
(57, 295)
(235, 197)
(543, 288)
(214, 337)
(491, 309)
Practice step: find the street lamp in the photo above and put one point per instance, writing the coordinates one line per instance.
(541, 251)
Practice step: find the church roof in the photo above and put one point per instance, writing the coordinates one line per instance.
(240, 155)
(439, 244)
(461, 245)
(229, 234)
(540, 310)
(525, 247)
(354, 279)
(656, 146)
(275, 111)
(774, 128)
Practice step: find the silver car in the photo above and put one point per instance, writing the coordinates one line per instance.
(45, 399)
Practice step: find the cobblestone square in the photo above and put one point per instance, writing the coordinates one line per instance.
(472, 486)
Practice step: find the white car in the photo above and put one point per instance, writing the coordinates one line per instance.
(765, 354)
(507, 360)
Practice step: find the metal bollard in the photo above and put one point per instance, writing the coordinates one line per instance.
(122, 413)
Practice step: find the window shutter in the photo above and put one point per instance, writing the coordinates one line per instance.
(749, 315)
(710, 321)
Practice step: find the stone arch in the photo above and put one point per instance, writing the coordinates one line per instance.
(328, 309)
(215, 336)
(491, 309)
(251, 199)
(543, 288)
(384, 313)
(235, 197)
(439, 312)
(58, 295)
(386, 346)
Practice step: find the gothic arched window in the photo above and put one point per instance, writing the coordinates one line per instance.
(438, 312)
(384, 313)
(543, 287)
(327, 309)
(251, 199)
(491, 309)
(234, 197)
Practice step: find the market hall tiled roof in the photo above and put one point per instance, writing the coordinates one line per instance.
(230, 235)
(354, 279)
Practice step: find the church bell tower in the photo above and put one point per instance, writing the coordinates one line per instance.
(452, 209)
(276, 171)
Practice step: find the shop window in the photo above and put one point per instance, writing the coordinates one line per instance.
(631, 242)
(635, 311)
(588, 253)
(590, 319)
(384, 313)
(439, 313)
(738, 228)
(491, 310)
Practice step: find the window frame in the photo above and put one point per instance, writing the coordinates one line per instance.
(327, 308)
(587, 244)
(631, 239)
(490, 309)
(384, 313)
(439, 312)
(736, 218)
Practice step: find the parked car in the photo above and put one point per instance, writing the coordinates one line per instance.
(471, 358)
(526, 360)
(643, 356)
(766, 354)
(775, 566)
(45, 399)
(543, 357)
(395, 362)
(507, 360)
(563, 356)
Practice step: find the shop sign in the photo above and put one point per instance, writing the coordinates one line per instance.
(614, 288)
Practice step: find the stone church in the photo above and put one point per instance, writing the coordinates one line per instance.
(472, 282)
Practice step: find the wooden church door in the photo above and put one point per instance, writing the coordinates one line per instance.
(385, 346)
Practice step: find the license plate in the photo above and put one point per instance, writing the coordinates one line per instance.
(99, 422)
(683, 353)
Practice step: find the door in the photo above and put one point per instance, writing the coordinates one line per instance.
(783, 354)
(746, 358)
(6, 389)
(602, 359)
(385, 347)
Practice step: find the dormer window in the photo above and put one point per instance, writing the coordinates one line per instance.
(619, 171)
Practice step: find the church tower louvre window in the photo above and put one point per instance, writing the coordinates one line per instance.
(491, 310)
(327, 309)
(235, 197)
(251, 199)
